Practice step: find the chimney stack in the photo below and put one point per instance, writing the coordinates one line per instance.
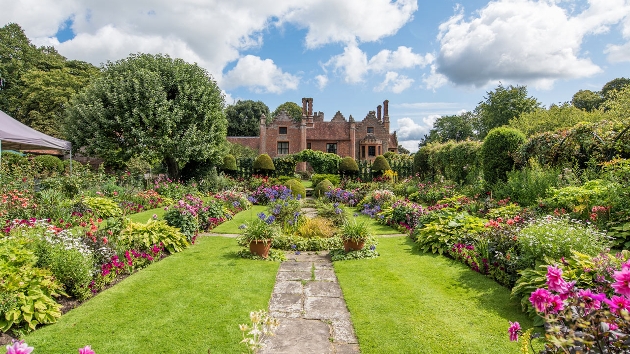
(378, 112)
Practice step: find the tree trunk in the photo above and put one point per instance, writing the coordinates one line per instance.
(173, 168)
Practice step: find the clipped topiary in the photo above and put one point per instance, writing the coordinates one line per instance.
(263, 164)
(296, 187)
(229, 163)
(348, 166)
(497, 153)
(321, 188)
(48, 164)
(380, 165)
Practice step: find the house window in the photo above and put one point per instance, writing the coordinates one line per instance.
(371, 150)
(283, 148)
(331, 148)
(308, 146)
(370, 130)
(283, 130)
(362, 152)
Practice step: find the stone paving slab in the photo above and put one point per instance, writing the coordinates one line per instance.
(322, 288)
(288, 287)
(325, 274)
(301, 336)
(325, 308)
(343, 331)
(341, 348)
(309, 257)
(295, 275)
(286, 303)
(296, 266)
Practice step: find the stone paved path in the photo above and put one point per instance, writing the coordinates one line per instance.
(308, 302)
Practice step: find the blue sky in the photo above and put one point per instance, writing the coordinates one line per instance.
(428, 58)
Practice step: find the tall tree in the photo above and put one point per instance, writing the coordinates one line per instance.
(243, 117)
(37, 82)
(587, 100)
(293, 110)
(554, 118)
(614, 85)
(501, 105)
(153, 107)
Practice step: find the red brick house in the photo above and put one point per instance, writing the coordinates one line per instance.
(362, 140)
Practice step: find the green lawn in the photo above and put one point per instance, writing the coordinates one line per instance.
(231, 226)
(187, 303)
(374, 226)
(307, 183)
(409, 302)
(144, 216)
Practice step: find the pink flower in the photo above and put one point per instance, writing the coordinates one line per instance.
(622, 284)
(555, 282)
(618, 303)
(19, 347)
(591, 300)
(515, 327)
(539, 298)
(86, 350)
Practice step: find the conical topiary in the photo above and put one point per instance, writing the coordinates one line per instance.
(296, 187)
(380, 164)
(229, 163)
(263, 164)
(348, 166)
(321, 188)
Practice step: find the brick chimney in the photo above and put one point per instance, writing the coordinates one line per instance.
(386, 115)
(378, 112)
(263, 134)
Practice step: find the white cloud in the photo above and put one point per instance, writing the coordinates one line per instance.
(331, 21)
(408, 129)
(322, 81)
(618, 53)
(401, 58)
(524, 40)
(394, 82)
(352, 64)
(434, 80)
(411, 145)
(260, 75)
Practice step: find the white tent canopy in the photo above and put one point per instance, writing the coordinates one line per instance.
(17, 136)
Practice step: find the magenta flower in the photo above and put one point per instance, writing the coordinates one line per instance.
(514, 329)
(622, 284)
(19, 347)
(539, 298)
(591, 300)
(555, 304)
(618, 303)
(555, 282)
(86, 350)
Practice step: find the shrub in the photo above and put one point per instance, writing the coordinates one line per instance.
(332, 212)
(380, 165)
(321, 162)
(529, 185)
(321, 188)
(48, 164)
(69, 265)
(348, 166)
(285, 165)
(318, 177)
(229, 163)
(102, 207)
(297, 188)
(263, 164)
(446, 227)
(497, 153)
(143, 236)
(13, 162)
(316, 227)
(285, 210)
(556, 237)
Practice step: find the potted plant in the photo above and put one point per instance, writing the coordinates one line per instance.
(259, 234)
(354, 235)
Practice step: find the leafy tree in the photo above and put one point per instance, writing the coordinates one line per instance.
(617, 106)
(150, 106)
(243, 117)
(497, 153)
(403, 150)
(454, 127)
(293, 110)
(586, 100)
(556, 117)
(501, 105)
(38, 82)
(614, 85)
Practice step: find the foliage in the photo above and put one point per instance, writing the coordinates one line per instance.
(380, 164)
(316, 227)
(285, 211)
(296, 187)
(261, 228)
(430, 193)
(580, 200)
(154, 232)
(614, 85)
(285, 165)
(48, 164)
(497, 151)
(302, 244)
(321, 162)
(151, 106)
(318, 177)
(321, 188)
(529, 185)
(229, 163)
(102, 207)
(332, 211)
(458, 127)
(264, 195)
(293, 110)
(556, 237)
(38, 81)
(26, 292)
(341, 255)
(586, 100)
(262, 325)
(264, 164)
(347, 166)
(455, 161)
(556, 117)
(502, 105)
(272, 256)
(402, 213)
(243, 117)
(356, 231)
(446, 227)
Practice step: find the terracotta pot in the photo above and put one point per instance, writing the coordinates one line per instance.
(260, 247)
(350, 245)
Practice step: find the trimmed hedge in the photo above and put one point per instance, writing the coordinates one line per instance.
(263, 164)
(229, 163)
(497, 153)
(296, 187)
(317, 178)
(380, 164)
(321, 188)
(348, 166)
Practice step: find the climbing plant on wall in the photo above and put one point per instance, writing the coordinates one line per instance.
(322, 162)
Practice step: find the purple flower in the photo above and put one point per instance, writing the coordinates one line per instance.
(262, 216)
(514, 329)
